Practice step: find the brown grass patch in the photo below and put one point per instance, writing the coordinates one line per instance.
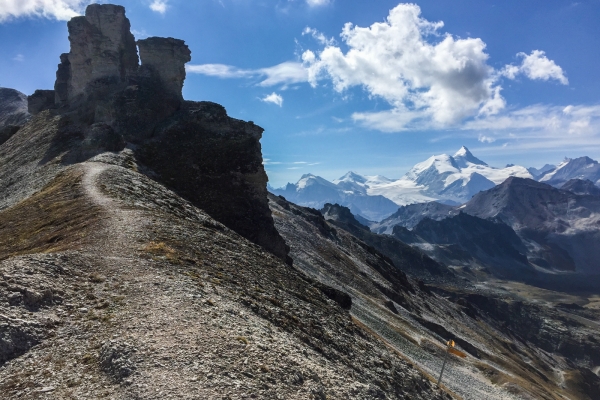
(162, 250)
(57, 218)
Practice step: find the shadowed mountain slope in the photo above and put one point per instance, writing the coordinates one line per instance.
(13, 108)
(412, 261)
(581, 187)
(507, 338)
(559, 228)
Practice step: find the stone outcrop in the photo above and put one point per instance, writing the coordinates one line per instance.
(102, 48)
(215, 162)
(107, 100)
(166, 57)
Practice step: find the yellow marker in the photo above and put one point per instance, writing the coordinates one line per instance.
(450, 349)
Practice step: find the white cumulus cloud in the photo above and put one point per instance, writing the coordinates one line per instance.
(273, 98)
(54, 9)
(159, 6)
(536, 66)
(423, 74)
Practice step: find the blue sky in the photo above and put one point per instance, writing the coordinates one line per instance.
(369, 86)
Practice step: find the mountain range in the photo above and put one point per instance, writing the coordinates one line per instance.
(450, 180)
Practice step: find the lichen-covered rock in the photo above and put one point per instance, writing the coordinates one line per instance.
(115, 360)
(167, 57)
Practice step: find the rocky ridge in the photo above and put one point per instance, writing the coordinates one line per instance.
(149, 297)
(106, 101)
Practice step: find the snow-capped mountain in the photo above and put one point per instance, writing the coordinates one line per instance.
(537, 173)
(443, 178)
(577, 168)
(447, 179)
(350, 191)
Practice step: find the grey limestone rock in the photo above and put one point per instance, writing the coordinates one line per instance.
(102, 46)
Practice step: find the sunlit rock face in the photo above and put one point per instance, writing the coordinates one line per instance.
(102, 48)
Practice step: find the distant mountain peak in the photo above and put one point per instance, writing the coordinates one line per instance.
(353, 176)
(463, 151)
(464, 156)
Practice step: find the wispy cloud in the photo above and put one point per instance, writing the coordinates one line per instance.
(285, 73)
(273, 98)
(486, 139)
(318, 3)
(267, 161)
(540, 128)
(430, 79)
(140, 34)
(19, 58)
(62, 10)
(318, 36)
(159, 6)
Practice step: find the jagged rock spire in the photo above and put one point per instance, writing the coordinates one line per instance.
(102, 47)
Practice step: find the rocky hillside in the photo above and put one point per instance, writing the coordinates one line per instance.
(559, 228)
(411, 215)
(581, 187)
(518, 346)
(107, 101)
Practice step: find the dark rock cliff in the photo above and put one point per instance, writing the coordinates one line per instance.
(107, 102)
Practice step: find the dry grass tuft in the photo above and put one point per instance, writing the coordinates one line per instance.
(57, 218)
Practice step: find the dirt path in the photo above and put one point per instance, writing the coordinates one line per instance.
(120, 224)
